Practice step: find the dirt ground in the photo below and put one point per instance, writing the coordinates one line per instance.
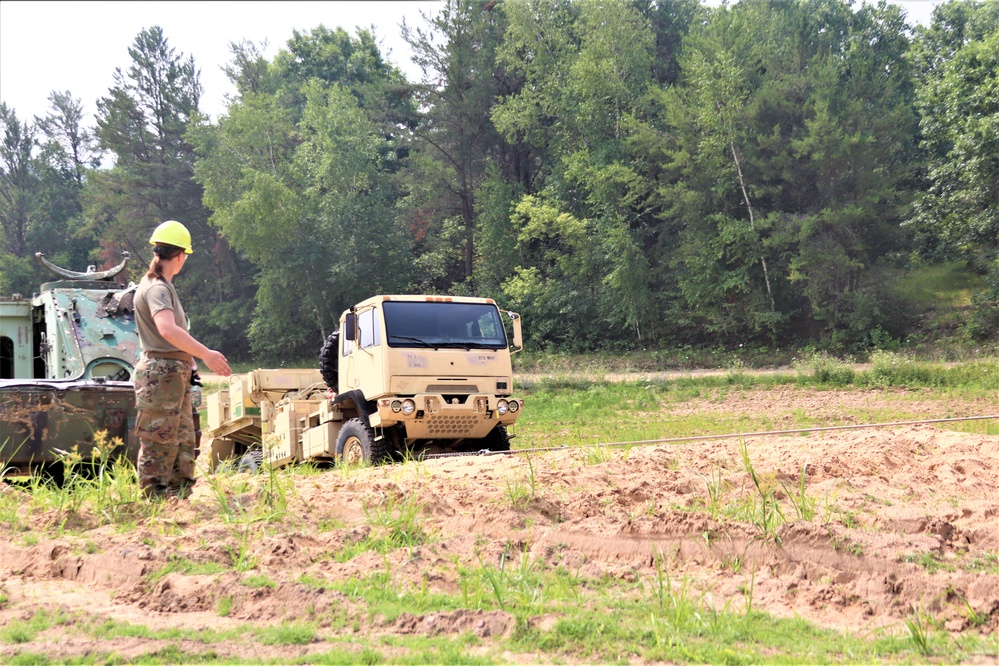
(904, 518)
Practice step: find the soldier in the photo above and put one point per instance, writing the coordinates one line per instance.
(163, 377)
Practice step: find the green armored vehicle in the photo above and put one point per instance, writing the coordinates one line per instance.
(66, 362)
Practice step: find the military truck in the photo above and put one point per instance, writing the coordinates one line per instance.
(403, 375)
(66, 361)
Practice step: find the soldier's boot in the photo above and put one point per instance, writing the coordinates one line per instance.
(155, 492)
(181, 490)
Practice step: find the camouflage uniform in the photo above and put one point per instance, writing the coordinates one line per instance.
(165, 426)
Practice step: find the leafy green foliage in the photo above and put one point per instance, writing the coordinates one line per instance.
(959, 104)
(309, 162)
(142, 123)
(626, 173)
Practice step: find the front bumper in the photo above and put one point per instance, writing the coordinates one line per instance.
(436, 417)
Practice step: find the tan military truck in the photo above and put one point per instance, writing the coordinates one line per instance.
(403, 375)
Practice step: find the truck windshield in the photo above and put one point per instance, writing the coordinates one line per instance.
(430, 324)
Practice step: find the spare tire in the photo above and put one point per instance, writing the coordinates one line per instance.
(329, 359)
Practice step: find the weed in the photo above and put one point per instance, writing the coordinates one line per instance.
(822, 368)
(279, 484)
(259, 580)
(928, 561)
(917, 624)
(803, 505)
(717, 487)
(395, 524)
(767, 515)
(224, 606)
(24, 631)
(675, 603)
(986, 562)
(519, 493)
(597, 454)
(312, 581)
(849, 519)
(517, 585)
(748, 593)
(733, 562)
(974, 618)
(184, 566)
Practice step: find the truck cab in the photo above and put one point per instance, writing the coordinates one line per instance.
(429, 372)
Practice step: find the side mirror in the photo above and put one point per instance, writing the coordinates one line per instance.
(518, 332)
(349, 331)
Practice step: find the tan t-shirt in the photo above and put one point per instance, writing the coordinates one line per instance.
(152, 296)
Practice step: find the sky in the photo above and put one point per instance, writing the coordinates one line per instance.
(76, 46)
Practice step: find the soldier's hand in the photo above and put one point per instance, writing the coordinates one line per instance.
(217, 363)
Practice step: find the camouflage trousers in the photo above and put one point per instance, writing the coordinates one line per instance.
(165, 425)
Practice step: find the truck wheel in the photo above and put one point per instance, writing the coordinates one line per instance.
(357, 444)
(497, 440)
(329, 357)
(252, 461)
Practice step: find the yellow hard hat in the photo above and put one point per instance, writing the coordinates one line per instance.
(172, 232)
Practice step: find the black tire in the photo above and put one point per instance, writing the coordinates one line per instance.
(357, 446)
(251, 461)
(329, 360)
(54, 473)
(498, 439)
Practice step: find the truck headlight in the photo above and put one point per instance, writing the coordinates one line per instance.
(408, 407)
(514, 406)
(502, 407)
(397, 405)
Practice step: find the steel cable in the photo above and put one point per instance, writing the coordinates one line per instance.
(672, 440)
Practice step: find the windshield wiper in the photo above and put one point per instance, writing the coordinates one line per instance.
(468, 344)
(410, 338)
(456, 344)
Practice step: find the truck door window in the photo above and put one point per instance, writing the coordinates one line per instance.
(369, 332)
(367, 329)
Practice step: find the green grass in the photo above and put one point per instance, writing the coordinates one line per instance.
(259, 580)
(295, 633)
(395, 523)
(985, 563)
(185, 566)
(578, 412)
(19, 631)
(929, 561)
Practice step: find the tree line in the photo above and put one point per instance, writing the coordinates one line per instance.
(624, 173)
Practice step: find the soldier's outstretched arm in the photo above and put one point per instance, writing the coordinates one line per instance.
(184, 341)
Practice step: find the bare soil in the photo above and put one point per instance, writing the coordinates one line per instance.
(905, 518)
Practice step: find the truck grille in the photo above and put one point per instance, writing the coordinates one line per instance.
(451, 425)
(452, 388)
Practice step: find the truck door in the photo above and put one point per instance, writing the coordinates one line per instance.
(365, 361)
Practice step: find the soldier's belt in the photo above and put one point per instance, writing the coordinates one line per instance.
(175, 356)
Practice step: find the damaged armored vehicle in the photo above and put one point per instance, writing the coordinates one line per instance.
(67, 357)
